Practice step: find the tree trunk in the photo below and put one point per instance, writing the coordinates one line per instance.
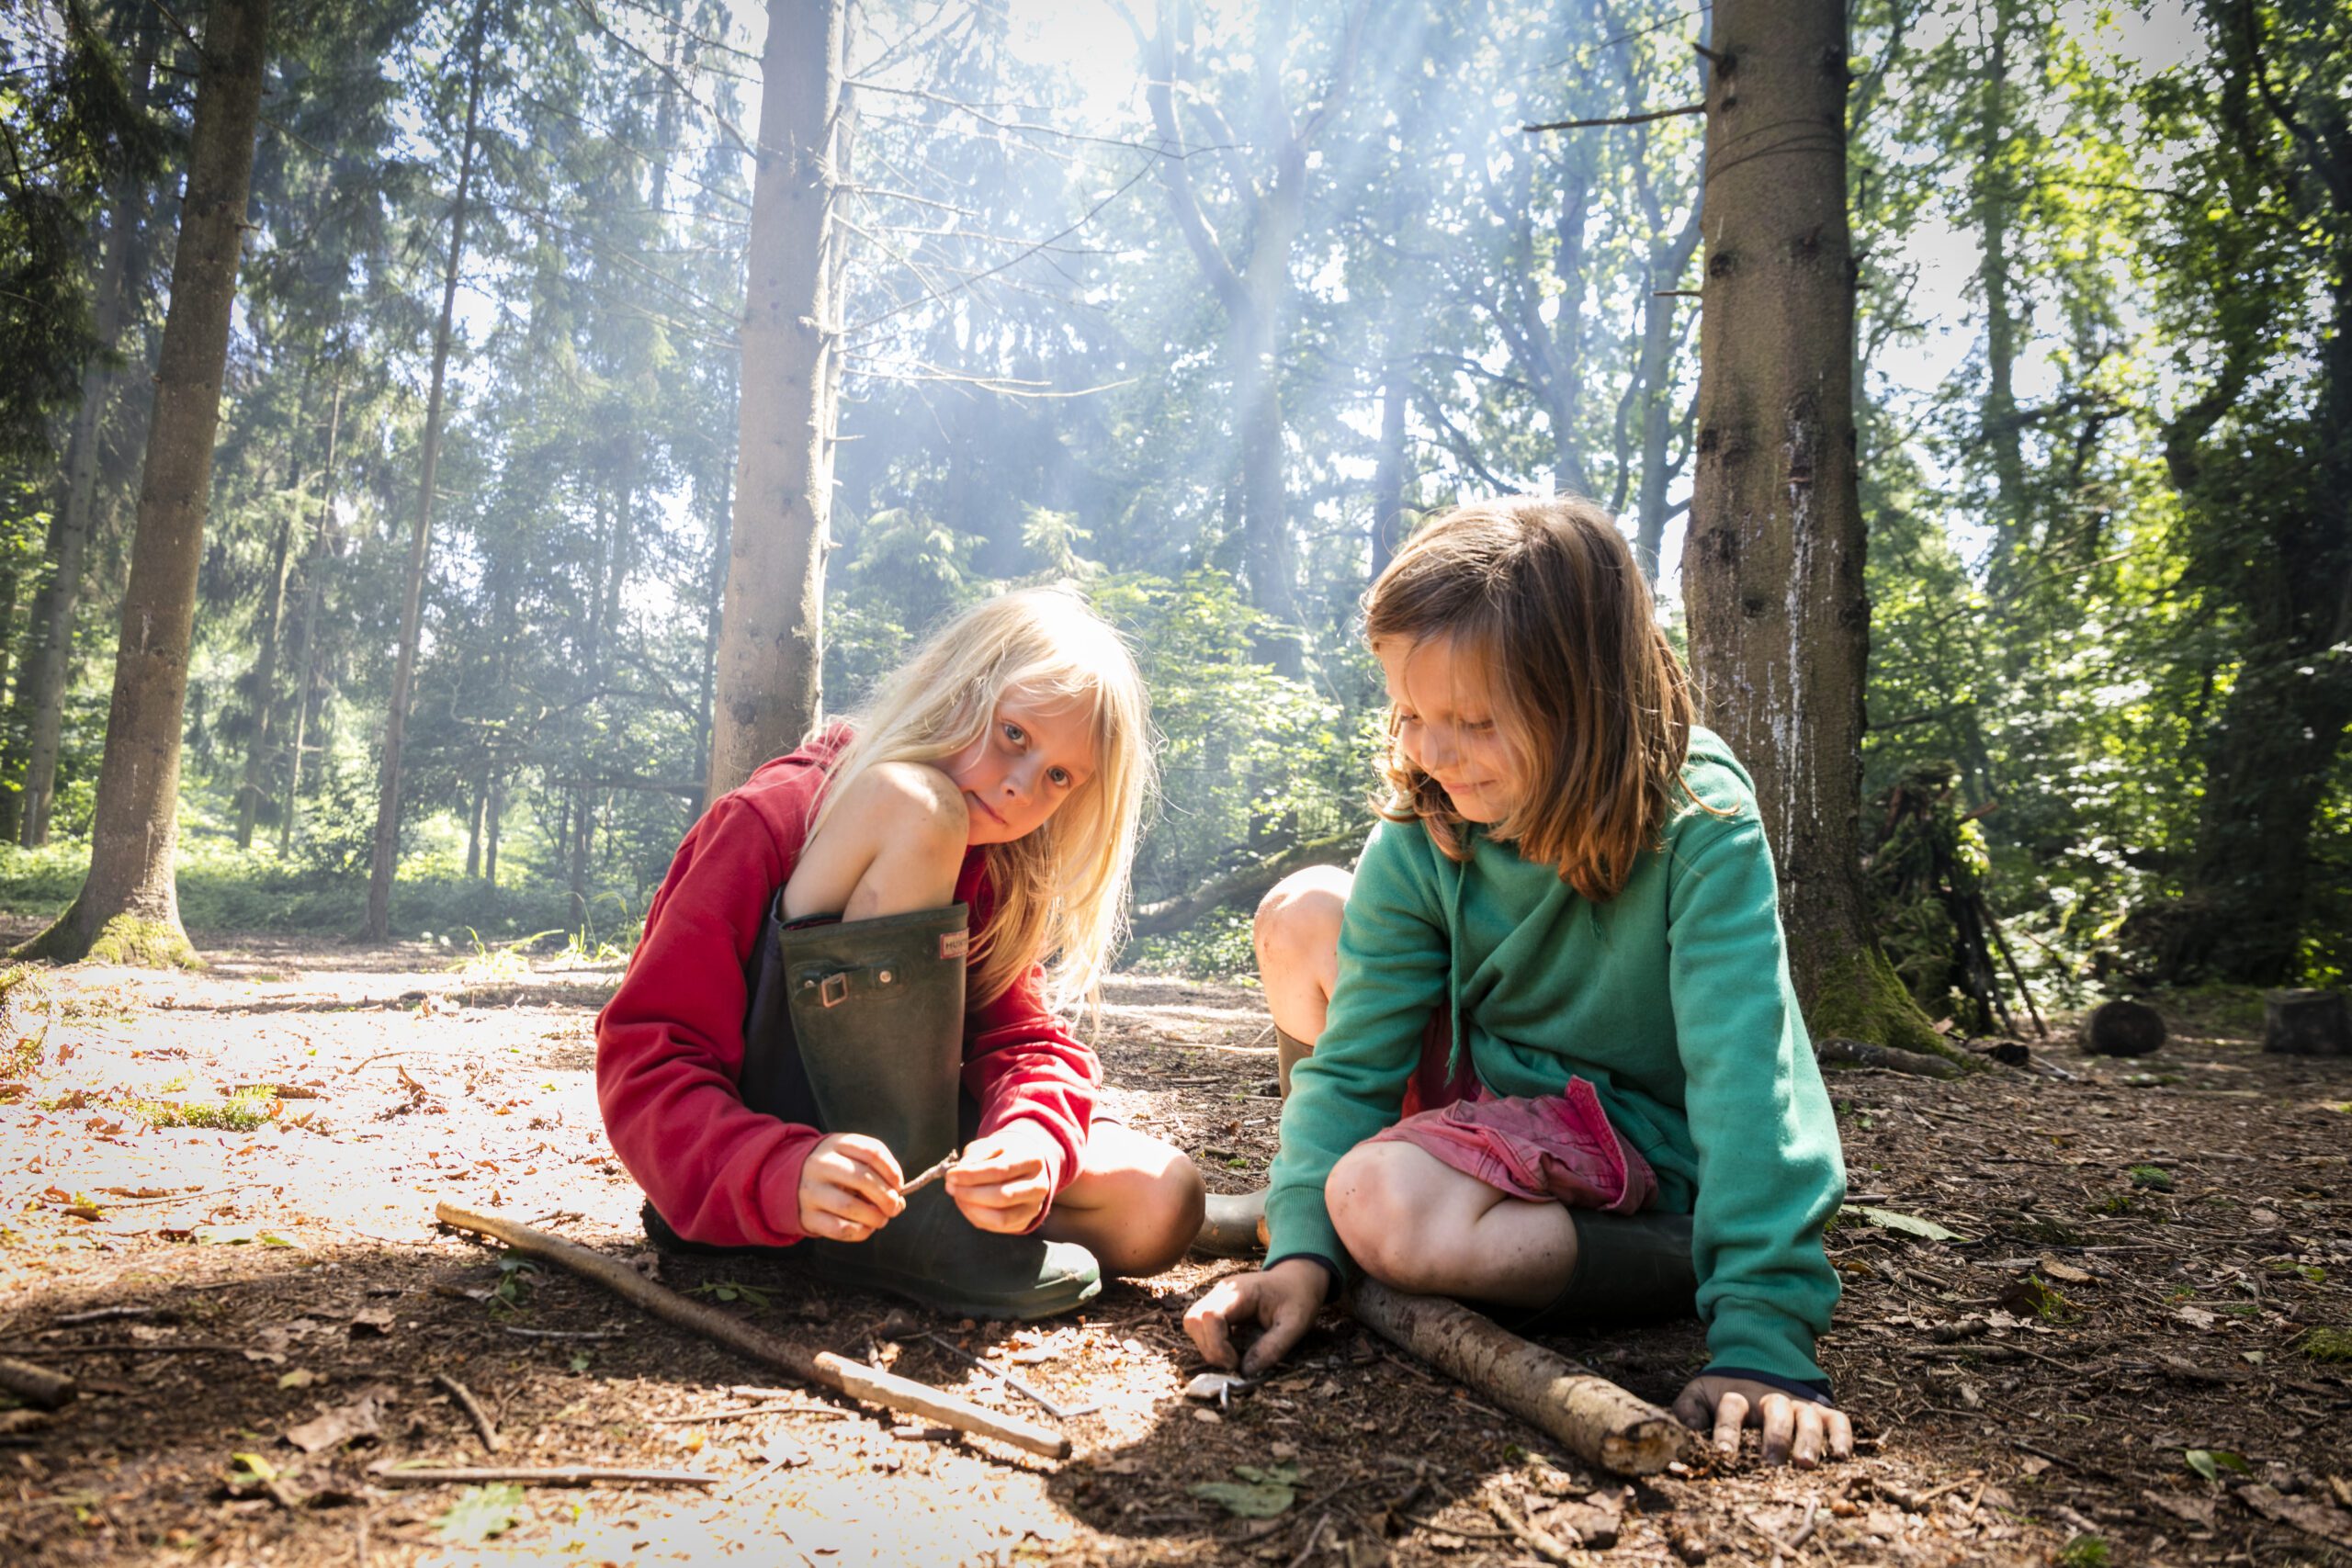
(497, 810)
(1772, 565)
(1654, 374)
(128, 909)
(713, 597)
(1388, 471)
(768, 677)
(1996, 202)
(39, 705)
(252, 789)
(388, 782)
(314, 591)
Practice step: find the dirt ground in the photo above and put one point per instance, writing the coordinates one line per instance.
(216, 1198)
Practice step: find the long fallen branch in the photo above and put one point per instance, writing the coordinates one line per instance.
(38, 1385)
(560, 1476)
(860, 1382)
(1597, 1421)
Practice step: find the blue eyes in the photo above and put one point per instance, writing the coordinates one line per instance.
(1019, 737)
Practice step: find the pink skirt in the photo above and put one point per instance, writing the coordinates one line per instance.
(1551, 1147)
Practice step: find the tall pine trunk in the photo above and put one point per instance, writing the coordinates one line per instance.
(128, 911)
(314, 591)
(253, 788)
(1772, 565)
(386, 857)
(768, 672)
(40, 706)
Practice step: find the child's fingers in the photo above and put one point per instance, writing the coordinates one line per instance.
(870, 1154)
(1731, 1414)
(862, 1182)
(1841, 1435)
(1780, 1413)
(1205, 1322)
(868, 1208)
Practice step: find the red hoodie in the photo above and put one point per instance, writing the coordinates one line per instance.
(670, 1043)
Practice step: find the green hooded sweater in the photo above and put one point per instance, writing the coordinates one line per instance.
(1672, 999)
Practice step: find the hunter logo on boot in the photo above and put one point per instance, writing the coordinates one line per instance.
(954, 944)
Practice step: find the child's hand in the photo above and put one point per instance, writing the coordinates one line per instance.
(1000, 1182)
(1794, 1429)
(849, 1188)
(1281, 1301)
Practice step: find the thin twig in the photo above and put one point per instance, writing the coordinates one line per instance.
(561, 1476)
(1009, 1380)
(1313, 1536)
(1617, 119)
(472, 1407)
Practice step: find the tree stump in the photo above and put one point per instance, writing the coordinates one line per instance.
(2123, 1029)
(2306, 1023)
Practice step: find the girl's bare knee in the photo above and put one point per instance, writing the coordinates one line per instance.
(1300, 914)
(1377, 1215)
(909, 798)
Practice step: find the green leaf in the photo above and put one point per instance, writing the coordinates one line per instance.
(1909, 1225)
(2155, 1177)
(1246, 1500)
(252, 1469)
(2210, 1462)
(480, 1513)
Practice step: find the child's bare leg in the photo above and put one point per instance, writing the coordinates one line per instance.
(1416, 1223)
(1296, 934)
(893, 845)
(1134, 1203)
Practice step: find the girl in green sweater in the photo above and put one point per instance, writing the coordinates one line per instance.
(1541, 1047)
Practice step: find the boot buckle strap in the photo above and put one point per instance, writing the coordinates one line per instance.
(833, 989)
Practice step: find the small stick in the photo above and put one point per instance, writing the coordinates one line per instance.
(1599, 1423)
(38, 1385)
(562, 1333)
(563, 1475)
(860, 1382)
(126, 1348)
(1009, 1380)
(472, 1407)
(932, 1174)
(107, 1314)
(1314, 1537)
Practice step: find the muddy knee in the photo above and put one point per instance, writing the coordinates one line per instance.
(1380, 1216)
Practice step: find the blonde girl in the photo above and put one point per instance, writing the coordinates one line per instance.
(860, 963)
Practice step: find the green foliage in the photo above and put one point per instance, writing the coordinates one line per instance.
(481, 1514)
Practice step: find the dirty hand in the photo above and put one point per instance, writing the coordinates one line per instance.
(1794, 1429)
(849, 1188)
(1281, 1301)
(1002, 1181)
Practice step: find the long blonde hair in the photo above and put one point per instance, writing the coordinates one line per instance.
(1061, 891)
(1546, 593)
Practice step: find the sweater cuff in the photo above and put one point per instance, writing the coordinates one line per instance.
(780, 1186)
(1813, 1390)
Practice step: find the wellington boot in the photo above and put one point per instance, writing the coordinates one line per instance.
(1234, 1224)
(877, 1011)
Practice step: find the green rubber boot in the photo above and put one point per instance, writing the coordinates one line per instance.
(877, 1013)
(1234, 1224)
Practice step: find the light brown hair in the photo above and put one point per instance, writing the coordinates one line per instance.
(1590, 696)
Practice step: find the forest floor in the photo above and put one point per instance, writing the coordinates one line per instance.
(216, 1202)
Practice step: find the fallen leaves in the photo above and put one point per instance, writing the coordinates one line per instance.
(334, 1427)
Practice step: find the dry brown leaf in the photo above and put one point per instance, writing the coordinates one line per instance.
(332, 1429)
(2312, 1519)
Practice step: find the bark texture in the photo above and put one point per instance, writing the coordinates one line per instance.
(128, 911)
(1772, 563)
(768, 673)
